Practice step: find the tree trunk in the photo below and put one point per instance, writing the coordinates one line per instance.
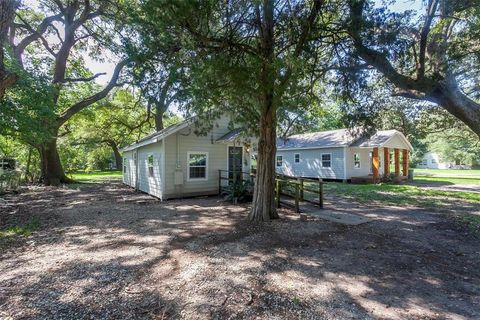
(52, 170)
(116, 152)
(263, 206)
(449, 96)
(159, 118)
(7, 14)
(29, 160)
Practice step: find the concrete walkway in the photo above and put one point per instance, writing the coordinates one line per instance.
(311, 209)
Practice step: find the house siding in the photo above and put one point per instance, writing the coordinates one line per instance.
(129, 174)
(176, 148)
(151, 184)
(310, 163)
(365, 162)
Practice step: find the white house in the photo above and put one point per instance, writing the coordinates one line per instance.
(339, 155)
(432, 160)
(176, 162)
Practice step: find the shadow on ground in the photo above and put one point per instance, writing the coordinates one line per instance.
(105, 251)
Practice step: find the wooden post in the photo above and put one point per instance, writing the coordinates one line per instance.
(376, 164)
(386, 162)
(397, 162)
(278, 193)
(297, 197)
(320, 192)
(405, 162)
(300, 180)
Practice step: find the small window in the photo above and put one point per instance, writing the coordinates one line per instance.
(326, 160)
(150, 165)
(356, 160)
(297, 157)
(434, 161)
(424, 162)
(197, 165)
(279, 161)
(124, 165)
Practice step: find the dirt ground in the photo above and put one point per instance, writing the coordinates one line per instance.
(106, 252)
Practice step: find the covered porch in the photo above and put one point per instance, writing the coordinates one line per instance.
(382, 157)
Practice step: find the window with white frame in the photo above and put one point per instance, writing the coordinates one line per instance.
(279, 161)
(150, 165)
(434, 160)
(124, 165)
(297, 157)
(356, 160)
(425, 162)
(197, 165)
(326, 160)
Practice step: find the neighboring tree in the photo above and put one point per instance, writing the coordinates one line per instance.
(436, 59)
(243, 58)
(7, 15)
(49, 43)
(160, 81)
(116, 122)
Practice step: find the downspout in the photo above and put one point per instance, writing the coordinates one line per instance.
(344, 164)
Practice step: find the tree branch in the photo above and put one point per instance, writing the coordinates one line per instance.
(74, 109)
(34, 36)
(84, 79)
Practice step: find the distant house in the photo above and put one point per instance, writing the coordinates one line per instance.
(339, 155)
(176, 162)
(432, 160)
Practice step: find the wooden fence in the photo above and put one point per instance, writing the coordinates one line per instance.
(299, 187)
(285, 185)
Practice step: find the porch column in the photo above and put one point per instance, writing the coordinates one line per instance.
(376, 164)
(405, 162)
(397, 162)
(386, 161)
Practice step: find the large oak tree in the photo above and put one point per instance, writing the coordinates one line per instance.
(49, 41)
(433, 57)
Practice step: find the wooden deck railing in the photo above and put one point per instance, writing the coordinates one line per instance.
(283, 183)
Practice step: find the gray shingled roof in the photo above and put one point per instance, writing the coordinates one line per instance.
(323, 139)
(334, 138)
(231, 135)
(158, 135)
(378, 139)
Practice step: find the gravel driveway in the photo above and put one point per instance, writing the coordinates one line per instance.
(106, 252)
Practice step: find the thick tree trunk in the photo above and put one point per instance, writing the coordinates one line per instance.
(263, 207)
(116, 153)
(52, 170)
(7, 14)
(159, 118)
(449, 96)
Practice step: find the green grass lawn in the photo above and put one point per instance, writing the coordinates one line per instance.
(395, 195)
(446, 176)
(95, 176)
(447, 173)
(445, 180)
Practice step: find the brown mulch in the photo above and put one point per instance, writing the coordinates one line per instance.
(104, 251)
